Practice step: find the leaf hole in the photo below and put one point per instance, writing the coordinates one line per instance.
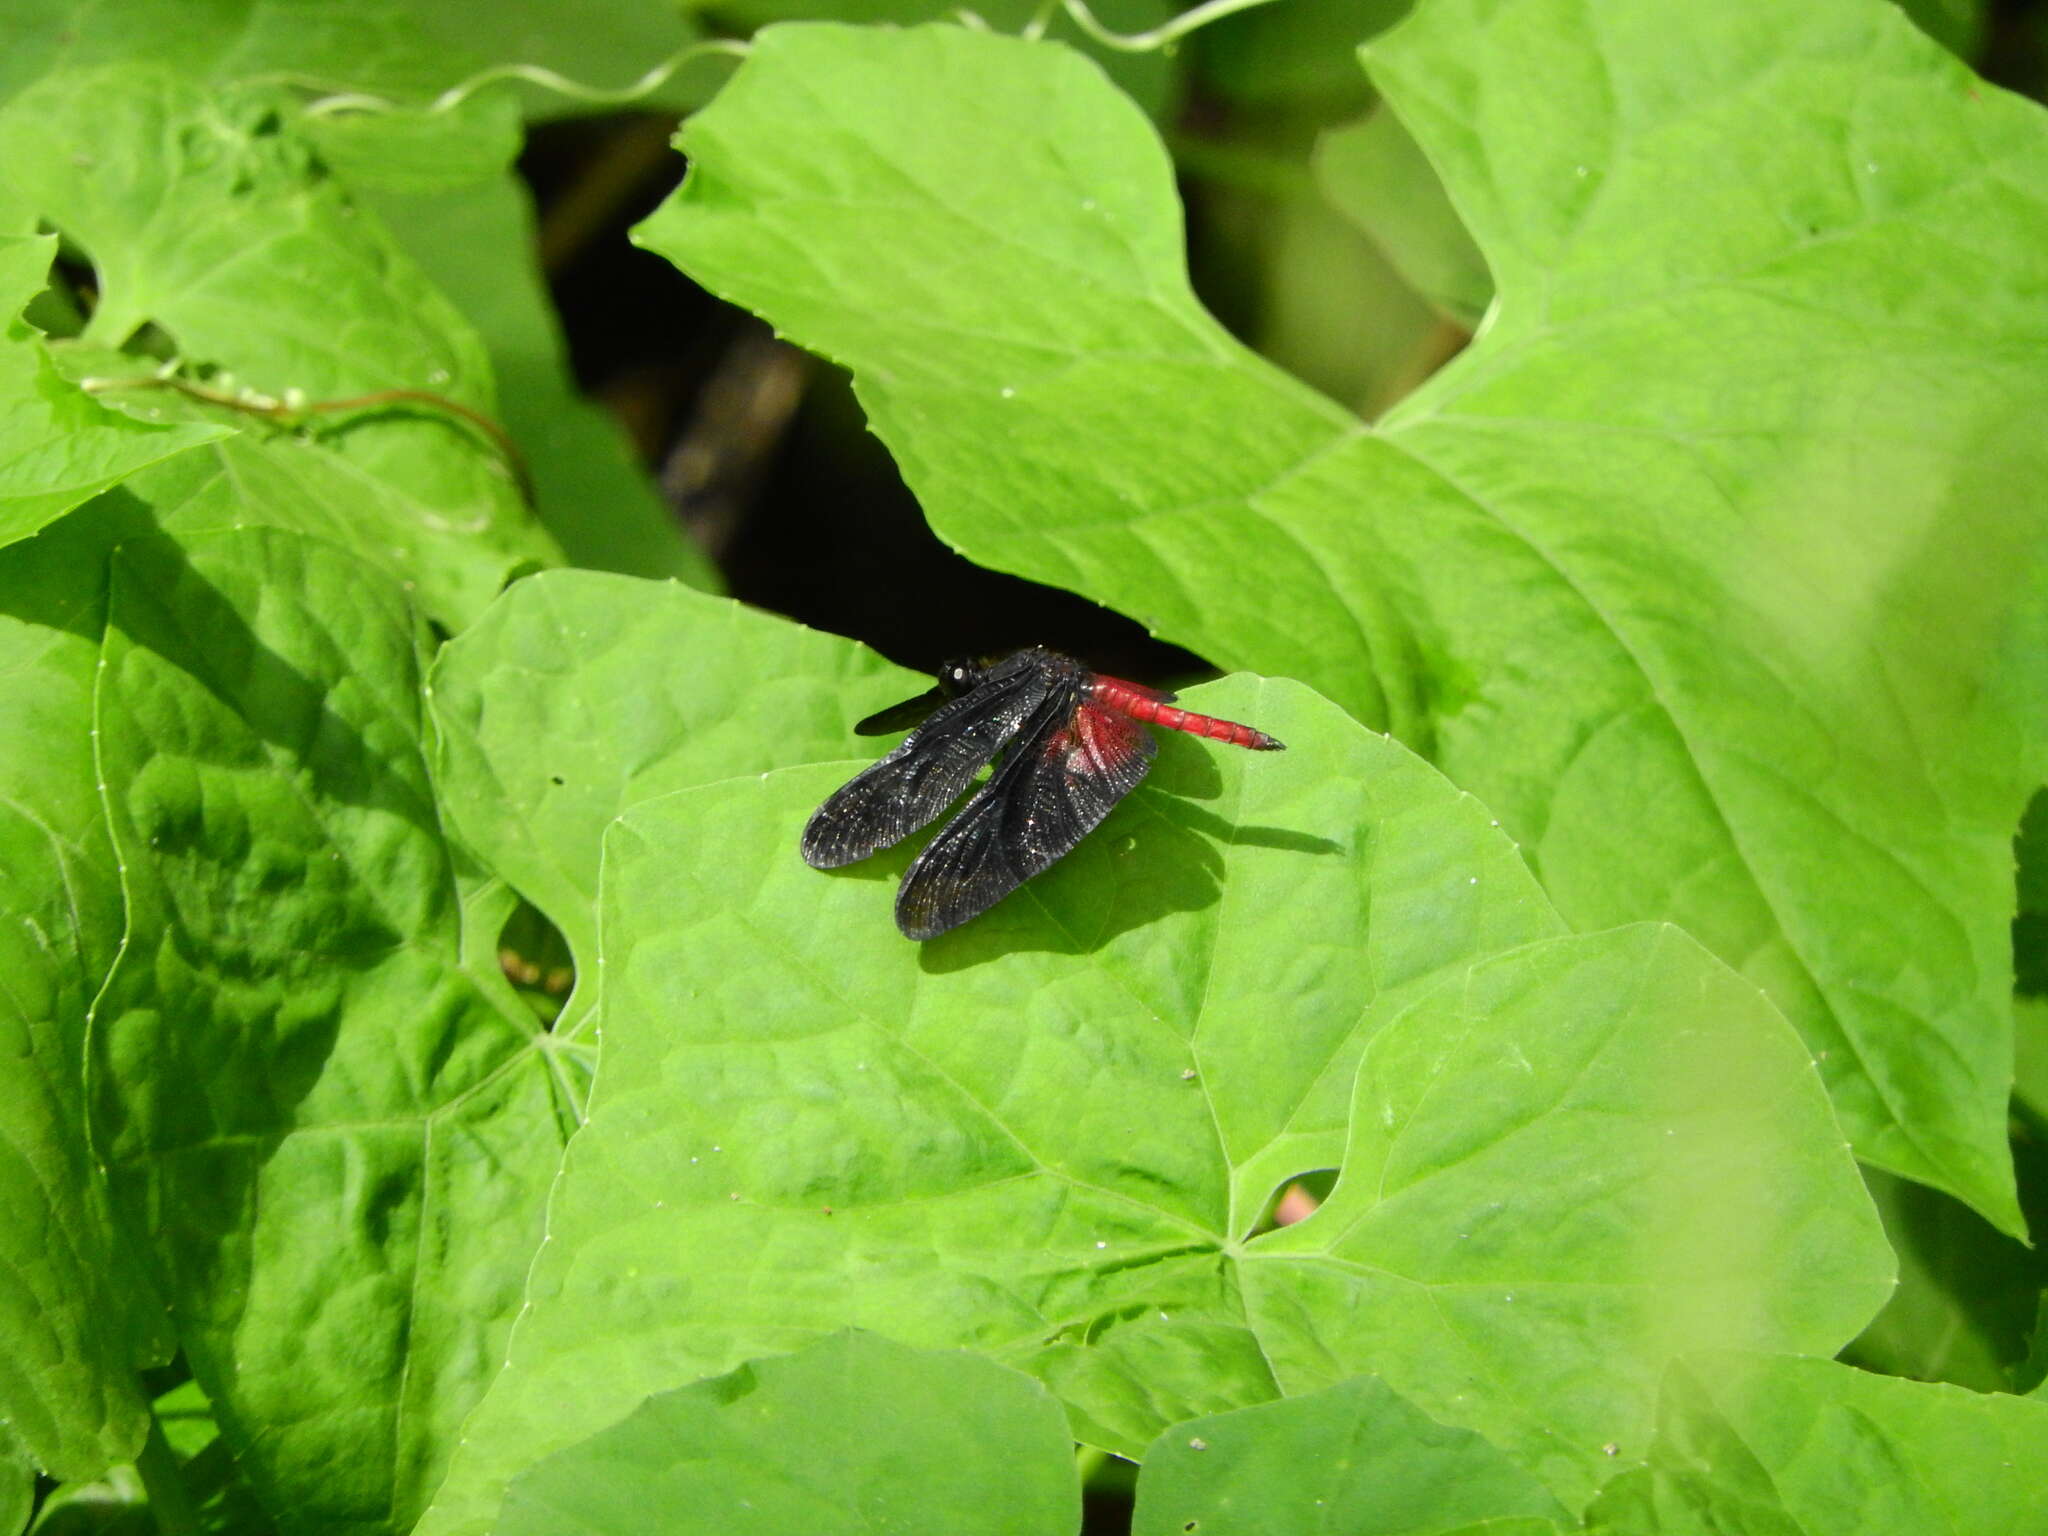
(62, 308)
(536, 960)
(1295, 1198)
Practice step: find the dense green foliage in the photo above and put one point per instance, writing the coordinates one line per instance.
(1664, 679)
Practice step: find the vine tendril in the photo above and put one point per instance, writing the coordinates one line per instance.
(540, 75)
(1164, 35)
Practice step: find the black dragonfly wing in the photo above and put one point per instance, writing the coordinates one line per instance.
(1069, 767)
(928, 770)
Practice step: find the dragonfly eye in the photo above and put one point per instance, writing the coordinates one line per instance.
(954, 676)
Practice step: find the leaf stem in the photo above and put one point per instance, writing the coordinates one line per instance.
(291, 413)
(170, 1502)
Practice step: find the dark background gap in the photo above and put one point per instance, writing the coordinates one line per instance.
(805, 514)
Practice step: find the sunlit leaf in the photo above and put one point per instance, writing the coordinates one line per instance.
(1049, 1135)
(851, 1435)
(1714, 565)
(1773, 1446)
(1355, 1459)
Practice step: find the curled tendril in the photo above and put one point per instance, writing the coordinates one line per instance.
(1163, 36)
(535, 74)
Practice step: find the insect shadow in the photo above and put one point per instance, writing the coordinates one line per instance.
(1156, 856)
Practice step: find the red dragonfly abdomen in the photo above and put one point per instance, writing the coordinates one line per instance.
(1147, 704)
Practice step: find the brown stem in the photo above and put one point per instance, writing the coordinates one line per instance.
(290, 415)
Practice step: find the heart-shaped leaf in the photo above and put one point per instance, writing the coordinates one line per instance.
(1051, 1135)
(1715, 565)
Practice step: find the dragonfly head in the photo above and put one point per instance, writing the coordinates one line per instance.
(959, 675)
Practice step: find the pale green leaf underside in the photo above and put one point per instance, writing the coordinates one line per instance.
(1046, 1135)
(1713, 566)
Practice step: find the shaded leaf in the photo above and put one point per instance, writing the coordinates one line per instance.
(17, 1486)
(1148, 76)
(76, 1310)
(2030, 922)
(1375, 173)
(1300, 52)
(2031, 1374)
(2030, 1062)
(342, 1217)
(1966, 1293)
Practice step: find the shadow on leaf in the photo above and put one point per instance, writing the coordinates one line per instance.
(1156, 856)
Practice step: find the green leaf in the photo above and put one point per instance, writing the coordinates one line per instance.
(1714, 565)
(331, 1136)
(2030, 923)
(1356, 1458)
(1049, 1135)
(208, 218)
(1375, 173)
(2030, 1375)
(579, 695)
(461, 213)
(1958, 25)
(298, 484)
(1218, 887)
(63, 447)
(1298, 53)
(17, 1485)
(2030, 1060)
(190, 1485)
(1609, 1137)
(1148, 76)
(1770, 1446)
(852, 1434)
(403, 48)
(76, 1310)
(1966, 1293)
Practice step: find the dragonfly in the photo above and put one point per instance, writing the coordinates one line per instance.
(1072, 741)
